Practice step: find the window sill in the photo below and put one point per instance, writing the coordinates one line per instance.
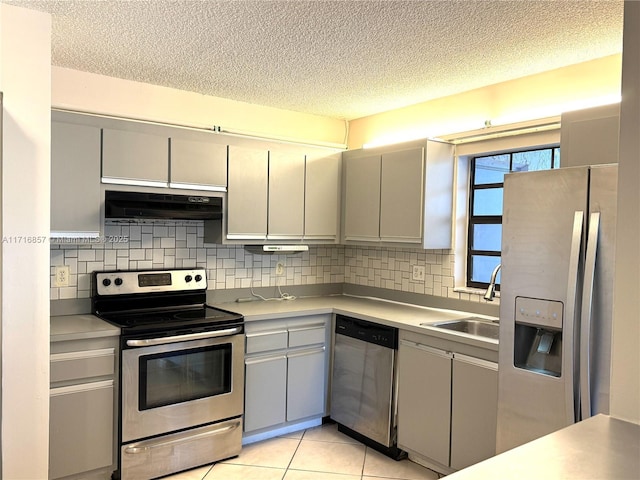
(474, 291)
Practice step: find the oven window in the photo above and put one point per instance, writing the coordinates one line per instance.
(180, 376)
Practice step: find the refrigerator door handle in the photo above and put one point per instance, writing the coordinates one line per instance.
(585, 324)
(568, 363)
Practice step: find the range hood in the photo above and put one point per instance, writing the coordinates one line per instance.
(271, 249)
(160, 206)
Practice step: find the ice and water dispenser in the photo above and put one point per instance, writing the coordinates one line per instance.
(538, 336)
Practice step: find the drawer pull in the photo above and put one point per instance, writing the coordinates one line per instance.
(83, 387)
(145, 446)
(62, 357)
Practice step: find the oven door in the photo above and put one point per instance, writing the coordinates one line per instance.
(180, 382)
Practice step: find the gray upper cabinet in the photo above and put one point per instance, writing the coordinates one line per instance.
(322, 197)
(362, 197)
(135, 157)
(283, 193)
(247, 193)
(286, 195)
(75, 179)
(401, 194)
(590, 136)
(197, 162)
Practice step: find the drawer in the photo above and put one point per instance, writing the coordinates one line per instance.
(82, 364)
(306, 335)
(266, 341)
(80, 428)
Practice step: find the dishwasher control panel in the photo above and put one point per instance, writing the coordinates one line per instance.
(366, 331)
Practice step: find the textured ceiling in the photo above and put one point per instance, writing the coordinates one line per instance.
(344, 59)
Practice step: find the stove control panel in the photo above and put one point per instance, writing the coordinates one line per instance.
(130, 282)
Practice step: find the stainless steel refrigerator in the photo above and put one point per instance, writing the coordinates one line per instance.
(556, 300)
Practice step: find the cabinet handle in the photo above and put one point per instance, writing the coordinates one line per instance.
(183, 338)
(426, 348)
(83, 387)
(265, 358)
(264, 334)
(307, 327)
(146, 446)
(476, 361)
(193, 186)
(302, 353)
(85, 354)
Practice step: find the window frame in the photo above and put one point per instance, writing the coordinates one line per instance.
(474, 220)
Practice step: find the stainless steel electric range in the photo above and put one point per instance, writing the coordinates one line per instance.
(181, 370)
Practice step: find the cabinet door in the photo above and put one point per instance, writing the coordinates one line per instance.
(135, 158)
(75, 180)
(265, 392)
(322, 193)
(362, 198)
(286, 195)
(401, 196)
(247, 193)
(474, 411)
(199, 164)
(305, 383)
(438, 195)
(590, 136)
(424, 400)
(80, 428)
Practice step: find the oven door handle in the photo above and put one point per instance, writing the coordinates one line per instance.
(148, 342)
(147, 445)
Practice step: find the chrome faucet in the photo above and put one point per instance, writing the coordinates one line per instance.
(491, 289)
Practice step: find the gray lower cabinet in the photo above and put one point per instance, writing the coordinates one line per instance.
(447, 402)
(82, 408)
(286, 372)
(75, 178)
(424, 400)
(265, 391)
(305, 392)
(473, 410)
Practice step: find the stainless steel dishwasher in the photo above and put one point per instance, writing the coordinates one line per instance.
(363, 392)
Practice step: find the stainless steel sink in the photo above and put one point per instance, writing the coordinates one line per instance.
(473, 326)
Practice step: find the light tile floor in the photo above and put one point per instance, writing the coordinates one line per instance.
(320, 453)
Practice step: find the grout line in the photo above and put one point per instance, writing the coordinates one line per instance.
(294, 453)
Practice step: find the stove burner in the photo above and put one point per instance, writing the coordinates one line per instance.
(165, 301)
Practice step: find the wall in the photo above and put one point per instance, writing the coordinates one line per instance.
(536, 96)
(88, 92)
(625, 372)
(164, 244)
(25, 79)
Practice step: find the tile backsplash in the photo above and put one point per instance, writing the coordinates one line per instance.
(175, 244)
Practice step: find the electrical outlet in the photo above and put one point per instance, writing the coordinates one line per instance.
(418, 273)
(62, 276)
(279, 268)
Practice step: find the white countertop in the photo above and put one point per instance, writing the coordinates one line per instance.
(400, 315)
(599, 448)
(79, 327)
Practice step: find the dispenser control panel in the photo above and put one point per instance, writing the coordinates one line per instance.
(539, 313)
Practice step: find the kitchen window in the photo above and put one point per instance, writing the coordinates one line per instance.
(485, 206)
